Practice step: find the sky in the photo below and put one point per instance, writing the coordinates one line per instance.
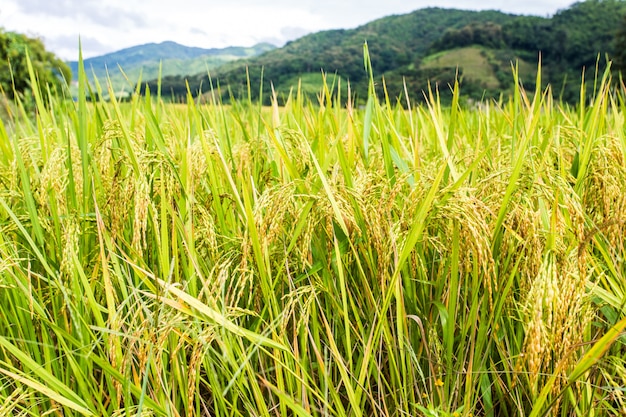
(110, 25)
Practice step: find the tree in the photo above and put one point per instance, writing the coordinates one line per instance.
(14, 75)
(619, 56)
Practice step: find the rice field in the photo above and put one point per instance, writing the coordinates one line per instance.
(317, 259)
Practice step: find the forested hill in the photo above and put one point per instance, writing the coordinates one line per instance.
(433, 45)
(171, 58)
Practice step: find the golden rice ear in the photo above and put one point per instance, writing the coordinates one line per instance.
(158, 258)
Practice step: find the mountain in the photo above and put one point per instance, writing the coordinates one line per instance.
(393, 42)
(478, 46)
(175, 59)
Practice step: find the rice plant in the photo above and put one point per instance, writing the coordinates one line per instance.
(314, 259)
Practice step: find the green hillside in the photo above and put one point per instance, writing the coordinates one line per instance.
(404, 50)
(473, 61)
(394, 42)
(485, 70)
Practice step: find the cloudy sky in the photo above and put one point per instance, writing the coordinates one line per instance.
(109, 25)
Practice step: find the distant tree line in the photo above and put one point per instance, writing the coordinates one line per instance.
(488, 34)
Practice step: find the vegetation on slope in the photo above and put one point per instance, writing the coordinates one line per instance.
(396, 43)
(569, 42)
(477, 67)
